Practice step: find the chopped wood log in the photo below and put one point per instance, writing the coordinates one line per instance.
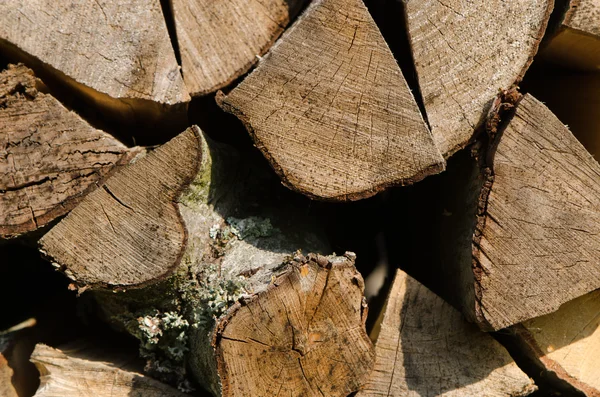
(576, 43)
(193, 257)
(329, 108)
(50, 158)
(220, 41)
(426, 348)
(518, 238)
(117, 55)
(6, 373)
(464, 52)
(73, 371)
(566, 343)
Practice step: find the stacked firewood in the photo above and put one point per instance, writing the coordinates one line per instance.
(123, 166)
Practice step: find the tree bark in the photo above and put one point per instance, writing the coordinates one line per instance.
(220, 41)
(49, 157)
(465, 53)
(6, 373)
(330, 109)
(115, 55)
(82, 371)
(576, 43)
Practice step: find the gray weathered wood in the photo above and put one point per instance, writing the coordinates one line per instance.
(220, 40)
(50, 158)
(425, 348)
(464, 52)
(330, 109)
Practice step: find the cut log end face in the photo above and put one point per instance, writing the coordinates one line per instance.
(220, 41)
(329, 107)
(49, 157)
(537, 247)
(129, 231)
(304, 336)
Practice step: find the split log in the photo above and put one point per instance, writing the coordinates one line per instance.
(117, 55)
(185, 259)
(425, 347)
(6, 373)
(220, 41)
(576, 43)
(83, 372)
(464, 52)
(566, 343)
(49, 157)
(329, 108)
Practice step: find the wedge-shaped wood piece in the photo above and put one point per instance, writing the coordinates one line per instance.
(116, 53)
(464, 52)
(536, 241)
(130, 230)
(73, 372)
(220, 40)
(330, 109)
(567, 342)
(49, 157)
(576, 44)
(6, 373)
(426, 348)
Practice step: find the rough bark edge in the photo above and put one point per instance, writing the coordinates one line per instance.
(499, 116)
(419, 176)
(261, 52)
(528, 347)
(13, 231)
(120, 109)
(322, 262)
(80, 287)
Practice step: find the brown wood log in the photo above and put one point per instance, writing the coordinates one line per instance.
(576, 43)
(329, 108)
(50, 158)
(186, 260)
(220, 41)
(81, 371)
(464, 52)
(521, 239)
(6, 373)
(116, 55)
(566, 343)
(425, 347)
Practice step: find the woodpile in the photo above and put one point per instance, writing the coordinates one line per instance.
(303, 198)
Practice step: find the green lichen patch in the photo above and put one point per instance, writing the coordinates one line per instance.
(252, 226)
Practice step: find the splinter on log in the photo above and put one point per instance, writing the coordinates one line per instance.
(187, 228)
(77, 371)
(566, 342)
(424, 346)
(116, 54)
(220, 40)
(526, 241)
(329, 108)
(49, 157)
(576, 44)
(465, 51)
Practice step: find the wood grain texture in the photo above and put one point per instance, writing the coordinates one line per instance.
(567, 342)
(465, 52)
(69, 373)
(330, 109)
(576, 44)
(129, 231)
(303, 336)
(220, 40)
(117, 48)
(50, 158)
(538, 235)
(6, 373)
(426, 348)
